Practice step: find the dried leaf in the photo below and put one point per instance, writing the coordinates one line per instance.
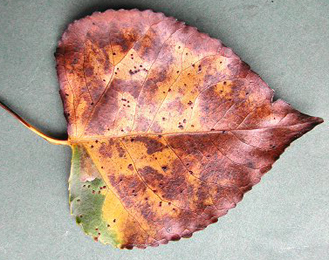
(168, 127)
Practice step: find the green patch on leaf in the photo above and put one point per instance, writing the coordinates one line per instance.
(86, 200)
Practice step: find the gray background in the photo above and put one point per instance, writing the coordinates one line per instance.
(286, 216)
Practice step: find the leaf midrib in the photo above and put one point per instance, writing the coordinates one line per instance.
(313, 120)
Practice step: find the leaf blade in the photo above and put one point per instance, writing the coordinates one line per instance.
(173, 124)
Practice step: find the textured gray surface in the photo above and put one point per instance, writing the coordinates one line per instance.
(286, 216)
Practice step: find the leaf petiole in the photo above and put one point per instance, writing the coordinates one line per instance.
(33, 129)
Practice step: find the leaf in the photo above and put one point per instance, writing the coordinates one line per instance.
(168, 127)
